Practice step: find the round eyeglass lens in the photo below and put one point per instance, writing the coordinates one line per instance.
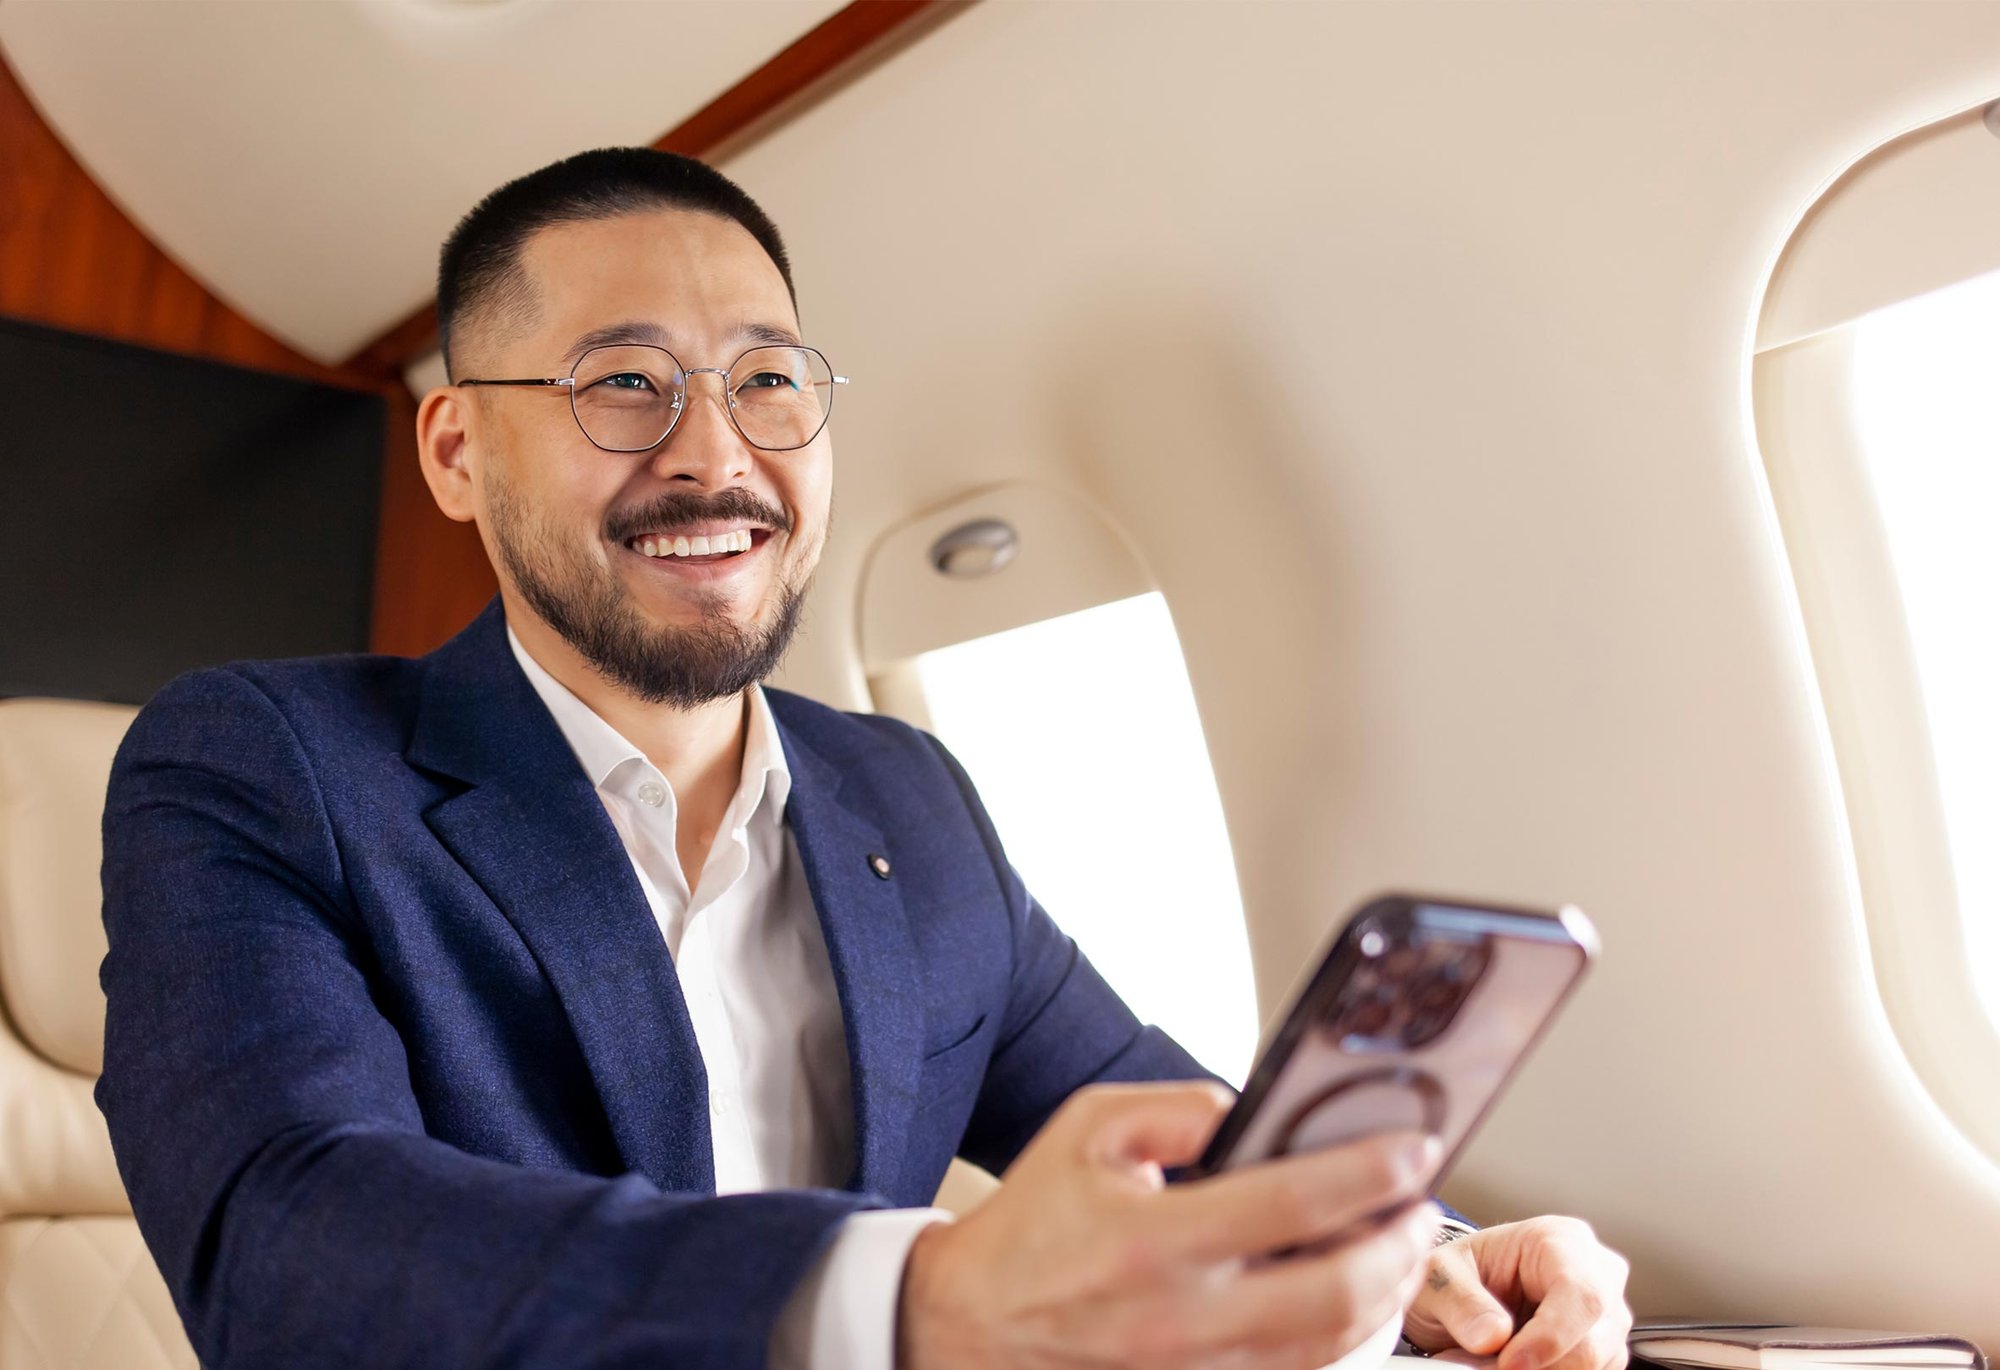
(780, 396)
(626, 397)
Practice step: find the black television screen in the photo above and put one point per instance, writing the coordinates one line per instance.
(163, 512)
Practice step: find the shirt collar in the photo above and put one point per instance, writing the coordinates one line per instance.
(602, 749)
(764, 753)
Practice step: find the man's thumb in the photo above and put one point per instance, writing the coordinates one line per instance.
(1160, 1124)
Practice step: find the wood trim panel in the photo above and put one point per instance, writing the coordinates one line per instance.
(862, 32)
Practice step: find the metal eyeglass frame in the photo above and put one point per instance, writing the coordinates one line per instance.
(680, 397)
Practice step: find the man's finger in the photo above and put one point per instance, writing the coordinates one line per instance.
(1295, 1200)
(1603, 1347)
(1568, 1313)
(1134, 1124)
(1454, 1308)
(1345, 1294)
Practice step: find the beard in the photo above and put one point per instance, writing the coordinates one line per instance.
(589, 607)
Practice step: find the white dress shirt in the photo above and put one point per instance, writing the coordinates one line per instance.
(746, 944)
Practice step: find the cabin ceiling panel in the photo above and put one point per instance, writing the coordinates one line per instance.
(305, 161)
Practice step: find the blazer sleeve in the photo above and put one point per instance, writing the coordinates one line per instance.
(260, 1107)
(1064, 1026)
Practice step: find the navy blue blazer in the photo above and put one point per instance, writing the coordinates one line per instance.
(397, 1067)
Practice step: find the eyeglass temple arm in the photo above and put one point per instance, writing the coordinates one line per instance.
(537, 380)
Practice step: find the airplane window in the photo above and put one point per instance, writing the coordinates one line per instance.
(1082, 736)
(1927, 414)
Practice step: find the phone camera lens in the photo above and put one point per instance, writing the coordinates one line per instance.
(1371, 1017)
(1436, 995)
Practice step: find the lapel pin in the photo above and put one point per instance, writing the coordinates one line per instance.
(879, 864)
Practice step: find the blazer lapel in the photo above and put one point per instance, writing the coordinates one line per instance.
(532, 831)
(875, 965)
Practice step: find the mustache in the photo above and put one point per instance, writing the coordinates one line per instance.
(678, 507)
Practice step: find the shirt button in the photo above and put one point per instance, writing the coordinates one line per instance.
(652, 794)
(718, 1105)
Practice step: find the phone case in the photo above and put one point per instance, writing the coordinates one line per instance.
(1416, 1019)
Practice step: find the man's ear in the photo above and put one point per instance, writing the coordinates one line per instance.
(444, 419)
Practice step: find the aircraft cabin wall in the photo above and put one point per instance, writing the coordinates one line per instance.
(1409, 349)
(1429, 359)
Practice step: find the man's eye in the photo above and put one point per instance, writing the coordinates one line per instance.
(769, 380)
(628, 380)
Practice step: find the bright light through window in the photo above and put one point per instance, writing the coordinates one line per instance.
(1082, 736)
(1927, 408)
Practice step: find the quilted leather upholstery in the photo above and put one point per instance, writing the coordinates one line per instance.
(55, 1154)
(83, 1294)
(78, 1290)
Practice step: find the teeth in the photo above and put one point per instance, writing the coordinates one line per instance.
(737, 541)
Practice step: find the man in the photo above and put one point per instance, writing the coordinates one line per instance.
(565, 999)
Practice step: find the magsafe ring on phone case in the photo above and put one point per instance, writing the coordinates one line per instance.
(1407, 1099)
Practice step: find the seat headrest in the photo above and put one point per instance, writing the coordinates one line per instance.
(55, 761)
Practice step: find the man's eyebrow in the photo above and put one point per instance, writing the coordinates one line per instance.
(768, 333)
(654, 335)
(618, 335)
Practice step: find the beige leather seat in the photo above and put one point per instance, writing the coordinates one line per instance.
(78, 1290)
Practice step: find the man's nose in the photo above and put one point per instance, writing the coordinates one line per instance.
(705, 446)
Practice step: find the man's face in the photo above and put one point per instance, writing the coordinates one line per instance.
(567, 523)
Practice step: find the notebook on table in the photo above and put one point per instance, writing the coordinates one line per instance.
(1790, 1346)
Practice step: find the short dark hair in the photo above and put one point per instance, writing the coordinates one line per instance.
(479, 269)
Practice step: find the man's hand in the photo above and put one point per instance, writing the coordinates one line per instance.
(1556, 1267)
(1084, 1257)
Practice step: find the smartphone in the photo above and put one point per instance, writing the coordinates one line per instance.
(1417, 1018)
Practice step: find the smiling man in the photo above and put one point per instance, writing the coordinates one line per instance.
(566, 998)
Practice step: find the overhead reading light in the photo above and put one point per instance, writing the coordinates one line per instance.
(978, 548)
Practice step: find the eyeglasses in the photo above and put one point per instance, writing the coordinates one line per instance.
(628, 398)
